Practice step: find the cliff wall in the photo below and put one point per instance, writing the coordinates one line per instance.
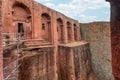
(98, 35)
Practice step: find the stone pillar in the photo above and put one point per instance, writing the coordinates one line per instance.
(65, 32)
(1, 51)
(78, 32)
(55, 41)
(72, 33)
(115, 37)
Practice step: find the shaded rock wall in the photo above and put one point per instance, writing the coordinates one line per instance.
(1, 57)
(82, 62)
(115, 37)
(75, 62)
(37, 65)
(98, 35)
(10, 63)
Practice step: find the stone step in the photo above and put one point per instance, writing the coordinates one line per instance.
(36, 42)
(37, 47)
(39, 44)
(31, 40)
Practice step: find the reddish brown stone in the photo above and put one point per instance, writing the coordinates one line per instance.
(52, 49)
(1, 50)
(115, 37)
(74, 62)
(38, 22)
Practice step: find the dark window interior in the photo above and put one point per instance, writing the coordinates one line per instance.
(43, 26)
(20, 29)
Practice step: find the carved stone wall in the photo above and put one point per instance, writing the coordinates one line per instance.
(37, 64)
(115, 37)
(40, 25)
(36, 21)
(74, 62)
(1, 51)
(10, 63)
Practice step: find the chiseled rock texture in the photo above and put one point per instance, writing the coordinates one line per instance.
(98, 35)
(37, 64)
(10, 60)
(1, 72)
(74, 62)
(115, 37)
(40, 27)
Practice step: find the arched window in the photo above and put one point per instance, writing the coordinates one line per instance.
(46, 26)
(21, 19)
(21, 11)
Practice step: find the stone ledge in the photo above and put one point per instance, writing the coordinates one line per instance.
(74, 44)
(37, 47)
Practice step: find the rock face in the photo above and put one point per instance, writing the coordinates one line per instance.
(98, 35)
(9, 63)
(74, 62)
(115, 37)
(37, 64)
(1, 72)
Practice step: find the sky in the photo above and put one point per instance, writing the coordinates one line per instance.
(84, 11)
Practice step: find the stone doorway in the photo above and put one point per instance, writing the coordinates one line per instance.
(21, 29)
(22, 20)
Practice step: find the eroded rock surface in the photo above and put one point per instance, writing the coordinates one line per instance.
(98, 35)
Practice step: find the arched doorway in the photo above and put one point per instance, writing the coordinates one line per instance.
(69, 31)
(46, 27)
(60, 30)
(21, 20)
(75, 32)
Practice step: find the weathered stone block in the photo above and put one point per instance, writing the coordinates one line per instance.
(74, 62)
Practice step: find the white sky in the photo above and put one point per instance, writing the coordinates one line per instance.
(82, 10)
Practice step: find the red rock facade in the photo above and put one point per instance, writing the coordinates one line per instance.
(38, 22)
(115, 37)
(1, 56)
(52, 48)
